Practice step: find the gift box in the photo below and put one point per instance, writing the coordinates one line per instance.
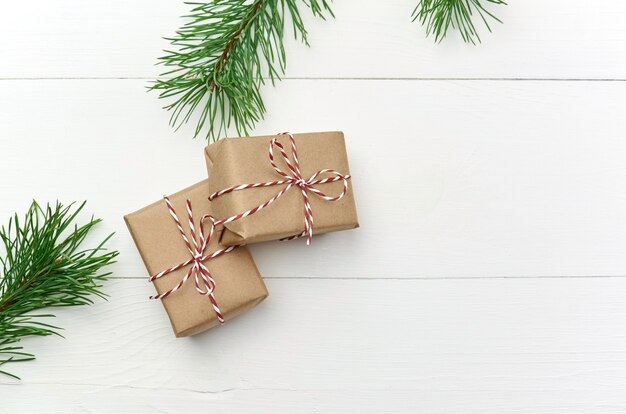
(200, 284)
(281, 186)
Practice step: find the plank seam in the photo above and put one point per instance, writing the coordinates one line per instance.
(464, 79)
(417, 277)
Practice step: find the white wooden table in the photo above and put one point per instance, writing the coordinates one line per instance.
(489, 274)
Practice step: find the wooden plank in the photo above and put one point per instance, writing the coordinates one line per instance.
(78, 398)
(452, 179)
(494, 346)
(116, 38)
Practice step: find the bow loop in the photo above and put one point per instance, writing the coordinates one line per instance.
(293, 167)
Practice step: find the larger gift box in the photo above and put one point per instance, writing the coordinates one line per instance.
(237, 283)
(234, 163)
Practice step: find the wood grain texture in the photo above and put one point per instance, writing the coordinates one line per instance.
(438, 346)
(488, 275)
(526, 182)
(117, 38)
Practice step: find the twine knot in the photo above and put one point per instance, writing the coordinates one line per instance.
(301, 183)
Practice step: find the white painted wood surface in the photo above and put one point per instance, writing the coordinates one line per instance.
(489, 272)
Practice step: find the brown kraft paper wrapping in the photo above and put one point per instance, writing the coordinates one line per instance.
(235, 161)
(239, 286)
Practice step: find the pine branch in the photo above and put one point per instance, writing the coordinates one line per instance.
(439, 15)
(44, 266)
(220, 56)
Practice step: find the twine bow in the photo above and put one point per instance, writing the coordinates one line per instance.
(292, 179)
(204, 282)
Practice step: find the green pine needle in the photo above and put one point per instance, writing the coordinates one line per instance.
(439, 15)
(45, 266)
(219, 57)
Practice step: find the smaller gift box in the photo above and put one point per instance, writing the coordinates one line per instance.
(200, 283)
(281, 186)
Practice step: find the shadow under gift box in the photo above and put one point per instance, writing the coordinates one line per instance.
(238, 284)
(236, 161)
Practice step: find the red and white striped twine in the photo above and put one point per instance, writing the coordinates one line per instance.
(295, 179)
(205, 284)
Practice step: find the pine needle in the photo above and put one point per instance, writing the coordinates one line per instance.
(44, 266)
(219, 57)
(439, 15)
